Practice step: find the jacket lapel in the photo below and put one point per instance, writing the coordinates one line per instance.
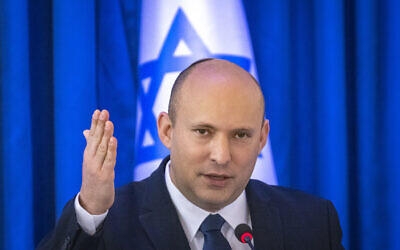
(161, 223)
(159, 218)
(265, 217)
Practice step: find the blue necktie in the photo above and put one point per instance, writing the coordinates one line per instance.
(213, 238)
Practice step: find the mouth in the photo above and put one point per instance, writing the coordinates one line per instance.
(216, 180)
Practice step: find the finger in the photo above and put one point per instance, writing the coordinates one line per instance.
(95, 118)
(96, 137)
(86, 134)
(103, 146)
(111, 157)
(99, 130)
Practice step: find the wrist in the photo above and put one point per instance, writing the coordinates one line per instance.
(89, 207)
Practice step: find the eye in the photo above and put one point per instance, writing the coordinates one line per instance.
(201, 131)
(241, 135)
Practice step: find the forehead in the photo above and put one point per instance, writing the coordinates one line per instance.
(220, 92)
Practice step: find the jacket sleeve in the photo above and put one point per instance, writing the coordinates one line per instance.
(68, 235)
(335, 230)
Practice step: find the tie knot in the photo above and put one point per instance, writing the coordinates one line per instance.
(213, 222)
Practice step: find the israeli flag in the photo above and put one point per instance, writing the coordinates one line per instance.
(174, 34)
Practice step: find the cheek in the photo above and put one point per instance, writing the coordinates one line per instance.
(188, 156)
(188, 149)
(245, 159)
(246, 152)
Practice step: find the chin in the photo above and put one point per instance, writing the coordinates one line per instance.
(214, 203)
(212, 207)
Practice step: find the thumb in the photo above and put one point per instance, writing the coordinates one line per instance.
(86, 133)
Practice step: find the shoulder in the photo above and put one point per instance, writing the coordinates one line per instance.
(132, 192)
(296, 208)
(287, 198)
(307, 221)
(144, 194)
(147, 190)
(132, 188)
(128, 205)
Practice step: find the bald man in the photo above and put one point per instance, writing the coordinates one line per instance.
(214, 129)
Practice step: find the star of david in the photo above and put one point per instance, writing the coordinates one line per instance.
(181, 30)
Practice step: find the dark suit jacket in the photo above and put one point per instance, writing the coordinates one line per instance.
(144, 217)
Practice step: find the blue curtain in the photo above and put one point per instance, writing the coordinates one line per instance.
(330, 71)
(16, 148)
(59, 61)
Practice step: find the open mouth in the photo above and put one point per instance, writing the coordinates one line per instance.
(216, 180)
(217, 177)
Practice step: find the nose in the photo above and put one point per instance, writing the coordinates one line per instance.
(220, 150)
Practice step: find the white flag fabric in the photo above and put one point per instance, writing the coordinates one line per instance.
(173, 35)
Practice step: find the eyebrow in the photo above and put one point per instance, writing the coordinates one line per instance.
(203, 125)
(206, 125)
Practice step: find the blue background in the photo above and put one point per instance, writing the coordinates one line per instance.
(330, 71)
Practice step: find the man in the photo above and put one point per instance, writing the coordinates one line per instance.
(214, 129)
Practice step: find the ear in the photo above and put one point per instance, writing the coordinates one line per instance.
(164, 126)
(264, 135)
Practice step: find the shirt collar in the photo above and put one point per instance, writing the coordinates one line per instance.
(191, 216)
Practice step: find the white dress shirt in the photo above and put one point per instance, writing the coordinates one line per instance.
(190, 216)
(88, 222)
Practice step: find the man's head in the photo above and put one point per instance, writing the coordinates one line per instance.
(173, 102)
(215, 131)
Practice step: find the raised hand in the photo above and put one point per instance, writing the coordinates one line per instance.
(97, 191)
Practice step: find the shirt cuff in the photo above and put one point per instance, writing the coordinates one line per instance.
(88, 222)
